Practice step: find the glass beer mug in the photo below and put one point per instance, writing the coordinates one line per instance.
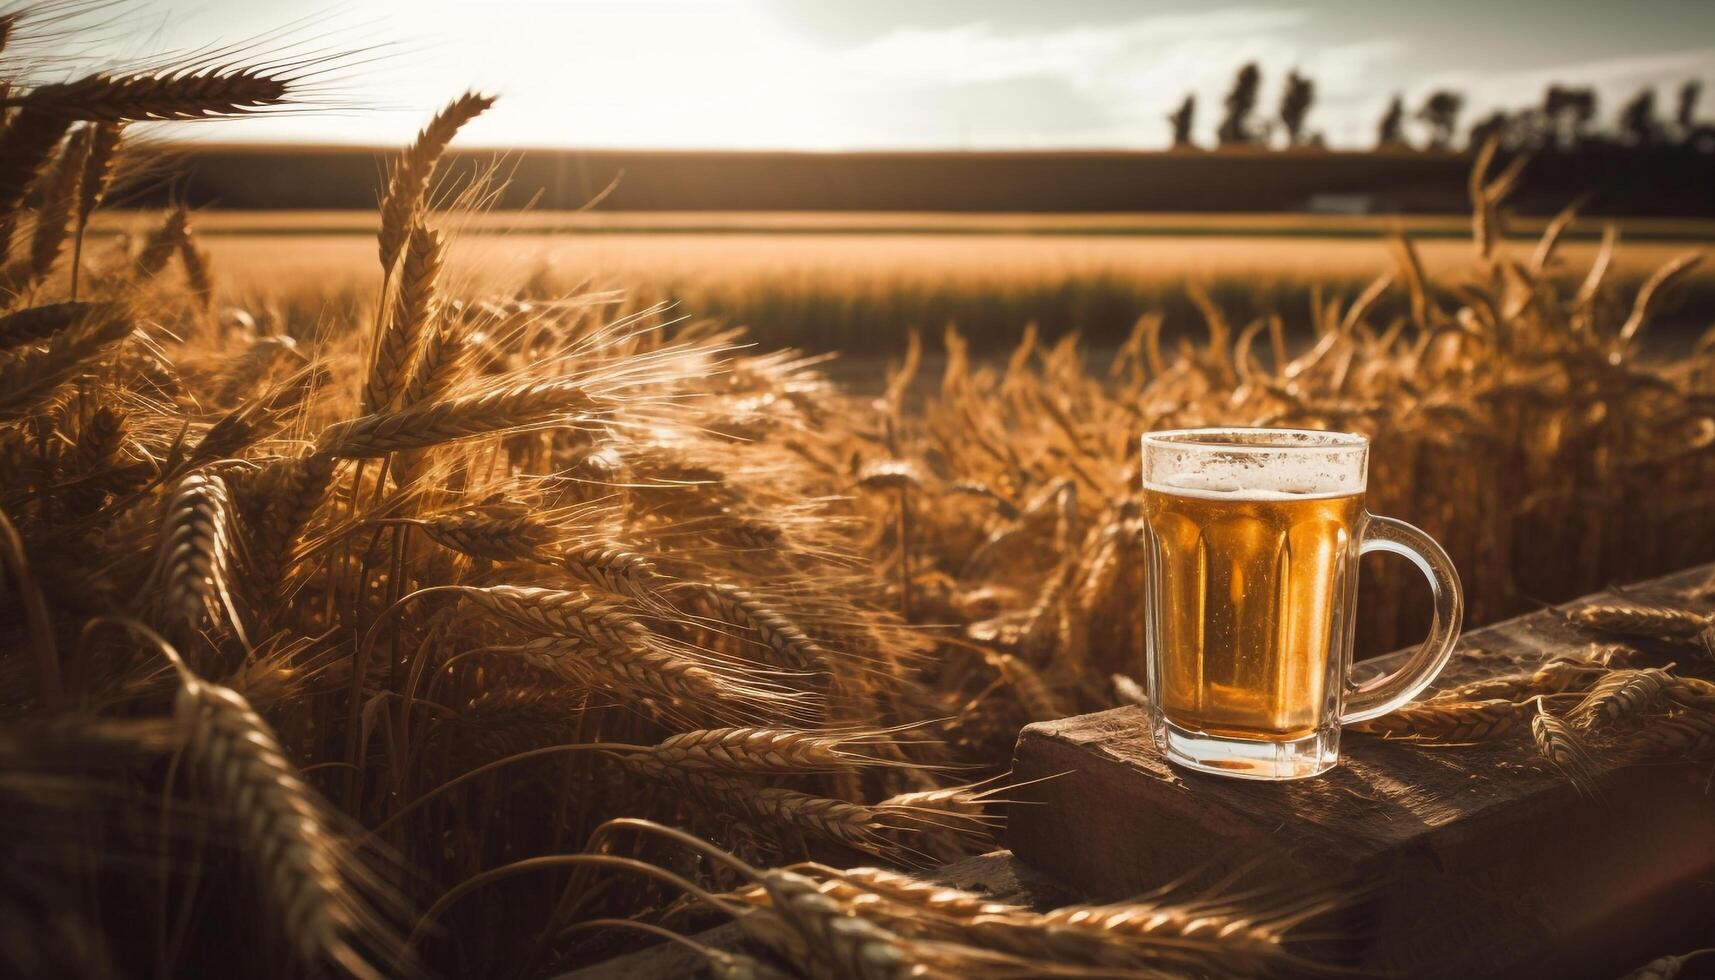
(1253, 543)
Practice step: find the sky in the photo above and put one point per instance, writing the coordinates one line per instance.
(904, 74)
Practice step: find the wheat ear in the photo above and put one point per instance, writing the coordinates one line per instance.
(521, 406)
(296, 487)
(763, 750)
(836, 820)
(439, 364)
(162, 245)
(414, 310)
(1560, 744)
(199, 275)
(792, 646)
(907, 890)
(1644, 305)
(29, 374)
(1456, 722)
(408, 178)
(36, 323)
(1636, 619)
(301, 865)
(489, 534)
(616, 570)
(98, 168)
(26, 146)
(92, 188)
(1623, 695)
(1683, 736)
(189, 94)
(662, 680)
(58, 199)
(195, 558)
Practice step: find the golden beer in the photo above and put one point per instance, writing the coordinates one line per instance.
(1253, 538)
(1253, 598)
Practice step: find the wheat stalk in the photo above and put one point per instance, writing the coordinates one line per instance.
(495, 535)
(1666, 967)
(408, 178)
(97, 168)
(414, 311)
(1644, 304)
(439, 363)
(250, 369)
(29, 374)
(1555, 677)
(1683, 736)
(26, 145)
(1034, 696)
(36, 323)
(792, 646)
(198, 272)
(92, 186)
(915, 892)
(162, 244)
(1638, 619)
(522, 406)
(59, 194)
(185, 94)
(296, 487)
(300, 864)
(645, 674)
(195, 557)
(1690, 692)
(1459, 722)
(1622, 695)
(99, 439)
(555, 612)
(763, 750)
(956, 801)
(616, 570)
(1560, 744)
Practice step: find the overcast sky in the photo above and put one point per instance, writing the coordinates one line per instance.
(919, 74)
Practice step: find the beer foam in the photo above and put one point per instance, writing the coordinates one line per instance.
(1293, 464)
(1253, 479)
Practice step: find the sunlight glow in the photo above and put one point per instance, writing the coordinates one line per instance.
(749, 74)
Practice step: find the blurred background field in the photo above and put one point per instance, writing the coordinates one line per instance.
(860, 282)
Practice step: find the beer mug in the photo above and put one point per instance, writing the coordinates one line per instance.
(1253, 543)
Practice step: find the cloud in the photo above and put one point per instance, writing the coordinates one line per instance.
(655, 73)
(975, 53)
(1117, 82)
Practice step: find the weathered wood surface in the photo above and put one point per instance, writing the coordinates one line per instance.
(997, 875)
(1476, 861)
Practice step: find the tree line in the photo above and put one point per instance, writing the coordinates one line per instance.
(1564, 120)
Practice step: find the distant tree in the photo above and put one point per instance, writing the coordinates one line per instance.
(1441, 112)
(1637, 119)
(1692, 134)
(1567, 113)
(1391, 131)
(1181, 119)
(1235, 126)
(1685, 113)
(1495, 124)
(1295, 105)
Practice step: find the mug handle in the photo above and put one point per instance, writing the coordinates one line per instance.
(1385, 694)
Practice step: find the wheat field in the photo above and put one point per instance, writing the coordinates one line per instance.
(859, 284)
(473, 622)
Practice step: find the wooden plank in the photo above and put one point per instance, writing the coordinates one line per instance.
(1476, 861)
